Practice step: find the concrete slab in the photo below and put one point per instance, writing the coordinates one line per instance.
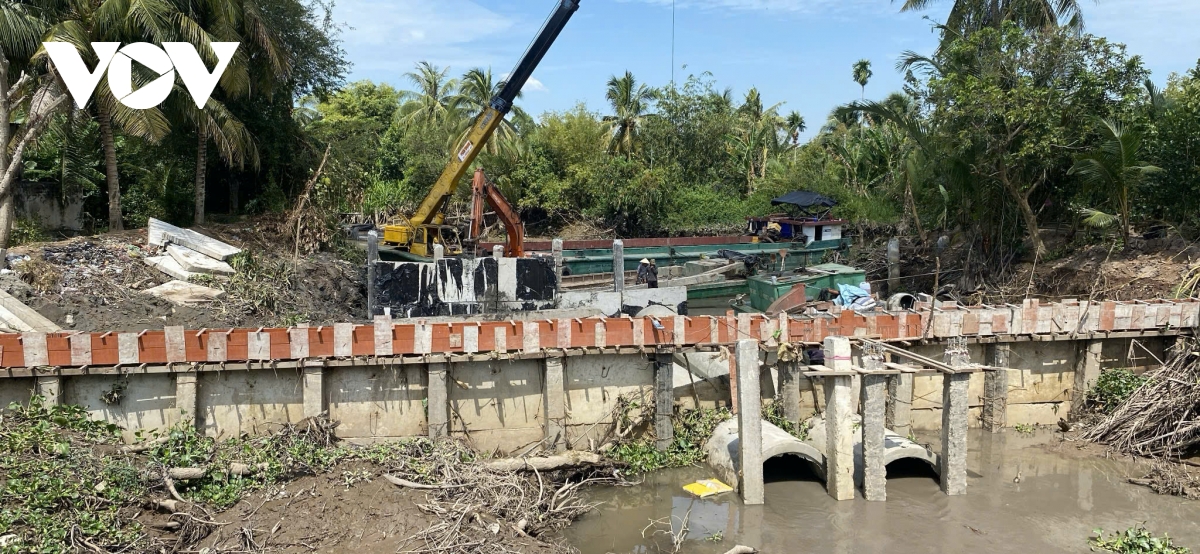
(15, 315)
(196, 262)
(184, 293)
(160, 233)
(168, 265)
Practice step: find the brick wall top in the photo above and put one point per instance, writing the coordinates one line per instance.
(416, 337)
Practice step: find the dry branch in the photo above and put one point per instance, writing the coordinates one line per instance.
(551, 463)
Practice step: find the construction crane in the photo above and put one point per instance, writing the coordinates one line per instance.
(484, 190)
(426, 226)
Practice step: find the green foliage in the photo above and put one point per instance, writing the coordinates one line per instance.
(1112, 388)
(692, 429)
(1135, 540)
(1025, 428)
(773, 413)
(27, 231)
(57, 488)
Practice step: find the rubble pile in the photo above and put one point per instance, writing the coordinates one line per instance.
(239, 275)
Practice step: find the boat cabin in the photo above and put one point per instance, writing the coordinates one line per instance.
(809, 222)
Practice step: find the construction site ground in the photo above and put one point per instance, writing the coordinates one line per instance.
(97, 283)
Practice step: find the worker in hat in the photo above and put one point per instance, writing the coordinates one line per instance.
(647, 273)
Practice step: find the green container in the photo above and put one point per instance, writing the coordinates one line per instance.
(765, 289)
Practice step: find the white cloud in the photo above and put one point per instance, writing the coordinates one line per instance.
(392, 35)
(532, 85)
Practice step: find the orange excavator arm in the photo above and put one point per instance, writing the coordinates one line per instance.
(484, 190)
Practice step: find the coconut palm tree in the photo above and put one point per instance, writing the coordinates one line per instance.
(794, 122)
(630, 102)
(1115, 168)
(475, 92)
(434, 102)
(863, 74)
(258, 66)
(88, 21)
(968, 16)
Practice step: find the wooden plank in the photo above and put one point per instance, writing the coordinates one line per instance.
(15, 315)
(159, 233)
(34, 345)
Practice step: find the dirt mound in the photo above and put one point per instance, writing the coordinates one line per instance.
(97, 283)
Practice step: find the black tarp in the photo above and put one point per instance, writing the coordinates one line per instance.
(804, 200)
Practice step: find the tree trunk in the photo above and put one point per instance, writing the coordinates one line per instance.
(233, 194)
(1031, 222)
(115, 221)
(201, 173)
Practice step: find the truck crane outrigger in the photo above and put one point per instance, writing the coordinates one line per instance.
(427, 226)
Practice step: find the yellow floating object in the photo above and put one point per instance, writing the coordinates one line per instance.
(705, 488)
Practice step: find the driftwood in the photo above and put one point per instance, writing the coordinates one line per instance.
(739, 549)
(565, 460)
(235, 469)
(419, 486)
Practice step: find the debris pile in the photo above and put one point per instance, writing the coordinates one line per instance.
(244, 274)
(1159, 419)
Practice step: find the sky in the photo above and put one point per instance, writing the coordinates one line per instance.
(796, 52)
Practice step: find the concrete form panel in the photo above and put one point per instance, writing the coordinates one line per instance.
(382, 401)
(594, 384)
(138, 401)
(499, 402)
(256, 402)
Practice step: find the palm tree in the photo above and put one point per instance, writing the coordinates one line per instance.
(259, 66)
(121, 21)
(863, 74)
(475, 93)
(629, 101)
(968, 16)
(756, 136)
(434, 102)
(1115, 168)
(795, 125)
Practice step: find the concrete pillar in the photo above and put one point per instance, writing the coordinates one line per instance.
(954, 425)
(439, 401)
(899, 407)
(49, 387)
(995, 389)
(893, 260)
(839, 439)
(1087, 371)
(556, 405)
(186, 394)
(789, 390)
(439, 252)
(556, 249)
(372, 257)
(618, 265)
(874, 395)
(314, 388)
(750, 423)
(664, 400)
(498, 252)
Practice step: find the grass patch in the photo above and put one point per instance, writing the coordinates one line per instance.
(773, 413)
(1135, 540)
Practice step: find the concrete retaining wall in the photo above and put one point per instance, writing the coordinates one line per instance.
(507, 402)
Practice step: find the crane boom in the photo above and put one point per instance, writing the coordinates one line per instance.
(421, 232)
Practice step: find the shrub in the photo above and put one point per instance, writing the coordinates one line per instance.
(1112, 389)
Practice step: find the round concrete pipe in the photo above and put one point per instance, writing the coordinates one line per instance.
(722, 450)
(895, 446)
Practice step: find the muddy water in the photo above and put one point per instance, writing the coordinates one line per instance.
(1062, 496)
